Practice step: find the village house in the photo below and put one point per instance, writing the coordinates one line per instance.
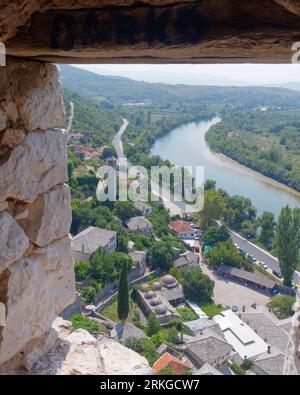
(270, 363)
(208, 347)
(92, 238)
(187, 260)
(170, 361)
(143, 208)
(139, 225)
(245, 341)
(140, 257)
(122, 332)
(182, 229)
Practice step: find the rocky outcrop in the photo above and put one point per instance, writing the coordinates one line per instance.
(36, 269)
(80, 353)
(292, 360)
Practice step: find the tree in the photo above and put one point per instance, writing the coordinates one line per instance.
(216, 234)
(227, 254)
(153, 325)
(214, 206)
(196, 285)
(82, 269)
(124, 210)
(88, 293)
(123, 294)
(161, 255)
(267, 224)
(209, 184)
(287, 242)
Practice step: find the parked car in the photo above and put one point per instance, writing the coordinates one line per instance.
(264, 265)
(234, 308)
(277, 274)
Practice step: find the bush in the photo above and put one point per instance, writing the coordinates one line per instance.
(247, 364)
(237, 369)
(79, 321)
(88, 293)
(153, 325)
(282, 306)
(82, 269)
(134, 344)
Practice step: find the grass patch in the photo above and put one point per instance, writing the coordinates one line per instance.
(111, 311)
(187, 314)
(81, 322)
(210, 308)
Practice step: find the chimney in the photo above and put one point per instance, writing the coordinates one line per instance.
(181, 337)
(269, 349)
(82, 248)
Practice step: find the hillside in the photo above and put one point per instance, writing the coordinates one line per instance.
(118, 90)
(89, 117)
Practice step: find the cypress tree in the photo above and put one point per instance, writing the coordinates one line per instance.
(123, 294)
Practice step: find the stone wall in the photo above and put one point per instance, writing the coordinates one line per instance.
(36, 268)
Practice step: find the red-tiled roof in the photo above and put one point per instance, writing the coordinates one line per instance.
(180, 226)
(168, 360)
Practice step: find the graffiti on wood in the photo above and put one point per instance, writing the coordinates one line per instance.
(145, 25)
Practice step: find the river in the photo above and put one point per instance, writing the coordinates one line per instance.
(186, 146)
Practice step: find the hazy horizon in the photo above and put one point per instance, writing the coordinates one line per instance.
(194, 74)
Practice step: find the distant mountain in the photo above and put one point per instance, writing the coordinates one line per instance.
(118, 90)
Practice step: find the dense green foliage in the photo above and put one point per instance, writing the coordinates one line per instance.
(153, 325)
(79, 321)
(161, 255)
(82, 269)
(282, 305)
(196, 285)
(104, 123)
(226, 253)
(287, 242)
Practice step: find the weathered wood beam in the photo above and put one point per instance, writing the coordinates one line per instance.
(200, 32)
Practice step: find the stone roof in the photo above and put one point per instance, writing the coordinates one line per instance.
(266, 329)
(256, 278)
(208, 370)
(200, 324)
(173, 293)
(123, 332)
(209, 347)
(185, 259)
(163, 348)
(271, 363)
(138, 222)
(92, 238)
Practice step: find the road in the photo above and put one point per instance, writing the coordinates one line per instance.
(117, 140)
(259, 254)
(175, 207)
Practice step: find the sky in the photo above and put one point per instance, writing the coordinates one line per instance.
(193, 74)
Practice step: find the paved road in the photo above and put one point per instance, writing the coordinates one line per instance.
(259, 254)
(117, 140)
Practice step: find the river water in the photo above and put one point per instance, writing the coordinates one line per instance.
(186, 146)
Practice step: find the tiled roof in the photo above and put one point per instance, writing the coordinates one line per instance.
(168, 360)
(92, 238)
(181, 226)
